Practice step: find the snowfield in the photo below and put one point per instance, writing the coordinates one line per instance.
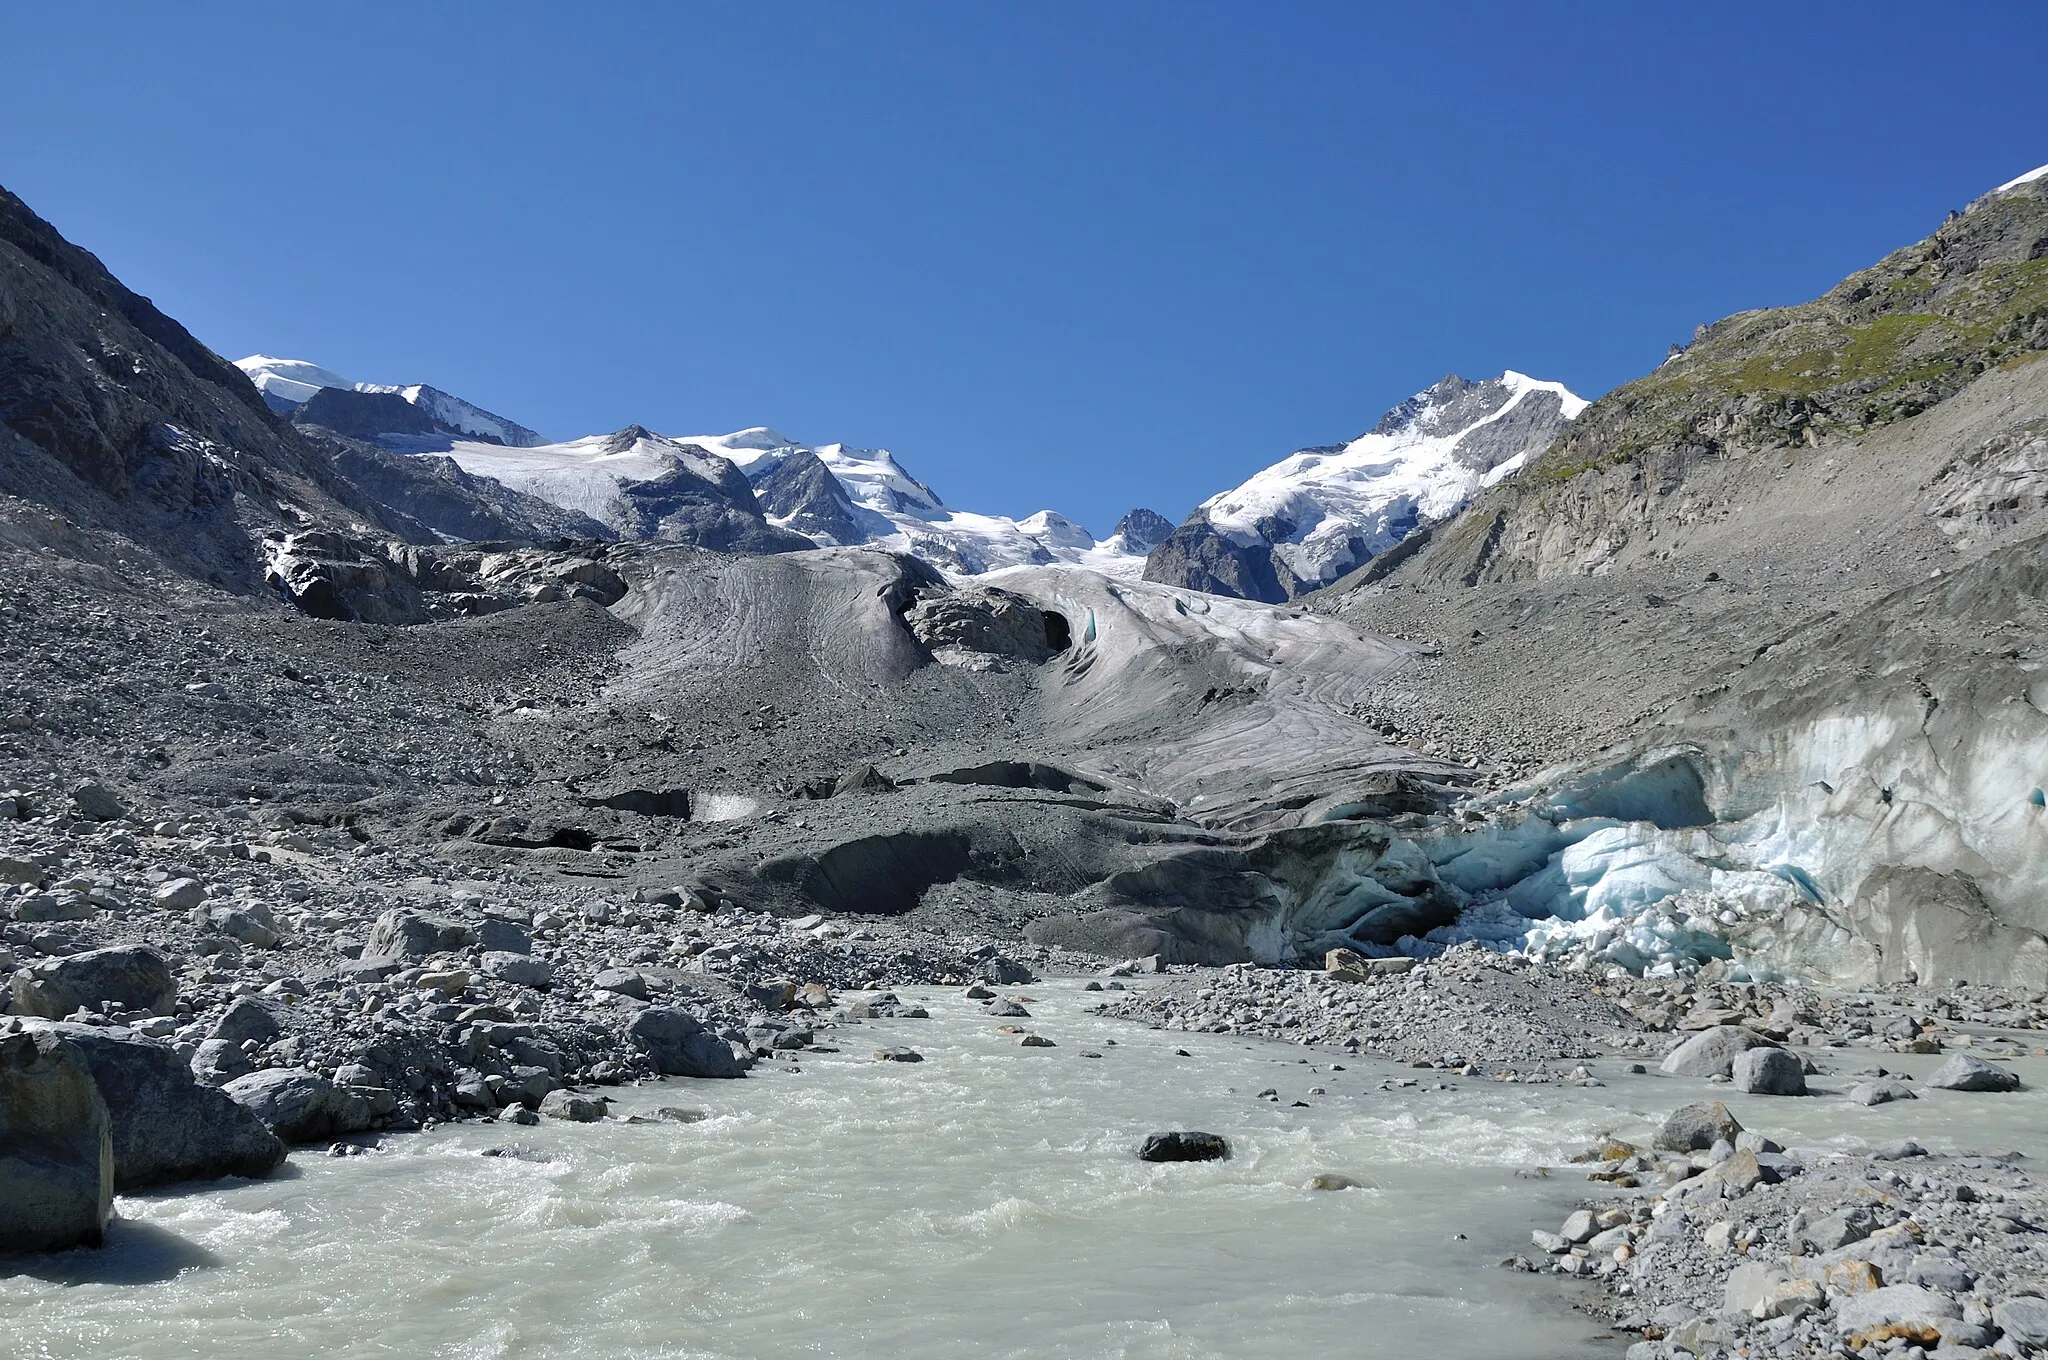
(1415, 467)
(294, 381)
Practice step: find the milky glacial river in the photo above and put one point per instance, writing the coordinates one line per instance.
(985, 1202)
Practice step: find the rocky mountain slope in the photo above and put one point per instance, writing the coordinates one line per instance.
(1774, 607)
(1317, 514)
(1137, 767)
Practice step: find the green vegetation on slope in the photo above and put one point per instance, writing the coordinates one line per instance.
(1885, 344)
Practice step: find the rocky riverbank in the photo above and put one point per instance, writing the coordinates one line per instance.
(1710, 1239)
(1719, 1241)
(278, 989)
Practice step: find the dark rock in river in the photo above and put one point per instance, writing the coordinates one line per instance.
(300, 1106)
(1184, 1146)
(680, 1046)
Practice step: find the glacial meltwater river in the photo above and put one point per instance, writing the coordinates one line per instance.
(986, 1202)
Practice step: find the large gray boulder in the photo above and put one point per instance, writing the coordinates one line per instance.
(1896, 1305)
(1768, 1072)
(680, 1046)
(56, 1153)
(1961, 1072)
(412, 935)
(301, 1106)
(246, 1019)
(134, 977)
(95, 802)
(1712, 1052)
(1696, 1127)
(166, 1126)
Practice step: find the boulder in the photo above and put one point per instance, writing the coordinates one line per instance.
(2025, 1320)
(300, 1106)
(572, 1107)
(623, 981)
(1697, 1127)
(497, 936)
(1003, 972)
(1712, 1052)
(1184, 1145)
(1961, 1072)
(243, 926)
(1880, 1092)
(1348, 965)
(1768, 1072)
(680, 1046)
(521, 970)
(180, 894)
(220, 1061)
(402, 934)
(1345, 965)
(246, 1019)
(56, 1147)
(1896, 1305)
(63, 904)
(166, 1125)
(95, 802)
(22, 871)
(134, 977)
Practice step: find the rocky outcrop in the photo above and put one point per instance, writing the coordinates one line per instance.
(332, 575)
(699, 499)
(1142, 530)
(1198, 556)
(56, 1151)
(1759, 389)
(986, 621)
(164, 1125)
(800, 493)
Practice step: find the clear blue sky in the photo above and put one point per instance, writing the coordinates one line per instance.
(1057, 254)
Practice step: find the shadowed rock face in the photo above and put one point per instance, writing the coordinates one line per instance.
(684, 505)
(56, 1153)
(799, 490)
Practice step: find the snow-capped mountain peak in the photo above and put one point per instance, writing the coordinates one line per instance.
(1320, 512)
(290, 381)
(288, 384)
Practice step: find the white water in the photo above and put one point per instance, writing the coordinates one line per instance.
(986, 1202)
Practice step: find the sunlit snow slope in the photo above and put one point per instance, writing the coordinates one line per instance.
(1319, 513)
(892, 509)
(288, 383)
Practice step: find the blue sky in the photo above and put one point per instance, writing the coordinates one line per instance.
(1053, 254)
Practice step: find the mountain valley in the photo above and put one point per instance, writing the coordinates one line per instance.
(428, 770)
